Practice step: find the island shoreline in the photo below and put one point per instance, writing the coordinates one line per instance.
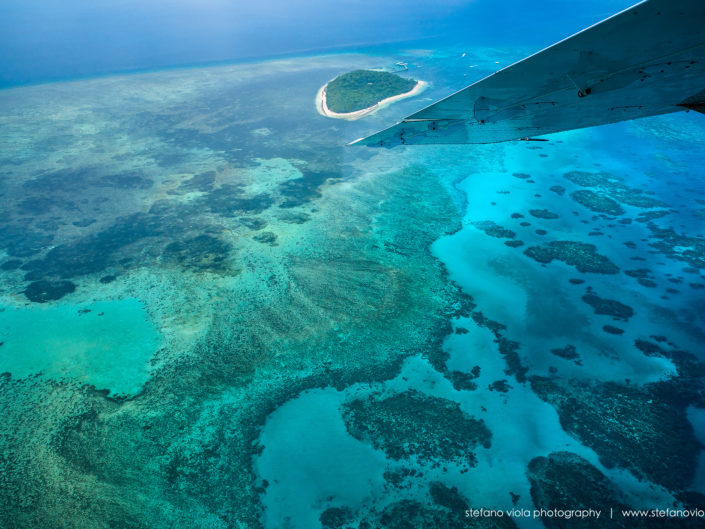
(323, 109)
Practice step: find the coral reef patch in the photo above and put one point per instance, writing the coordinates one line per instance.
(643, 429)
(609, 307)
(412, 424)
(584, 257)
(43, 291)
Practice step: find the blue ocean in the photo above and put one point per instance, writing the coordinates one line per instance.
(215, 314)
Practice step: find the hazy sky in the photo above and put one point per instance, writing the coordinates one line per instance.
(46, 39)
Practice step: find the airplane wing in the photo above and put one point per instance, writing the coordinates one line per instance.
(644, 61)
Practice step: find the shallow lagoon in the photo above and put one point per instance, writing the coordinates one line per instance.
(106, 344)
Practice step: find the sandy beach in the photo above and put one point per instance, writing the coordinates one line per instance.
(323, 109)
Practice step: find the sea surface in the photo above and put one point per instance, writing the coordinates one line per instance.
(214, 314)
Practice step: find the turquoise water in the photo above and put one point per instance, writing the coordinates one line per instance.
(216, 315)
(106, 344)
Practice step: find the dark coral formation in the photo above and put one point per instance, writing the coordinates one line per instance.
(648, 216)
(229, 200)
(644, 429)
(295, 218)
(448, 497)
(608, 307)
(566, 481)
(611, 329)
(568, 352)
(254, 223)
(22, 241)
(402, 478)
(509, 349)
(202, 183)
(445, 510)
(126, 243)
(463, 381)
(614, 187)
(690, 369)
(203, 252)
(299, 191)
(500, 386)
(584, 257)
(335, 517)
(127, 180)
(43, 291)
(494, 230)
(597, 202)
(678, 247)
(96, 252)
(412, 424)
(266, 237)
(643, 276)
(543, 214)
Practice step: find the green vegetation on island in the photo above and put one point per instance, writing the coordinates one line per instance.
(362, 89)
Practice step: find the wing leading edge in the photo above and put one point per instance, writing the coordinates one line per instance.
(644, 61)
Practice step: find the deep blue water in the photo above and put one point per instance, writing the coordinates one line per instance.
(43, 40)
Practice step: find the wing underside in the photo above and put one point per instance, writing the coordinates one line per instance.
(644, 61)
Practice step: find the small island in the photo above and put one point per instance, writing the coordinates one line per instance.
(358, 93)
